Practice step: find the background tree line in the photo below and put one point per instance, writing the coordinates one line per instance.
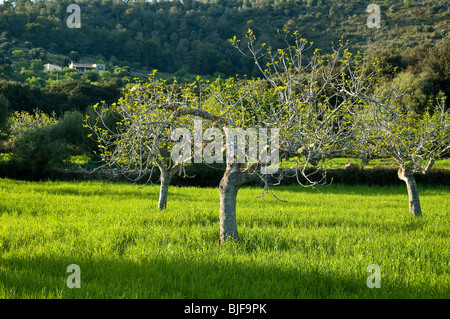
(75, 95)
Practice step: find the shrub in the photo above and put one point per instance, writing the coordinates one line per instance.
(40, 149)
(20, 122)
(4, 109)
(70, 128)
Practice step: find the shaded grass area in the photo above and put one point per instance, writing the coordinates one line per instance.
(444, 163)
(317, 245)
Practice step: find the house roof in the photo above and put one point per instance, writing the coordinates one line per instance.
(79, 65)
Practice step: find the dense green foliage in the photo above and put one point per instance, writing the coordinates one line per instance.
(41, 143)
(317, 245)
(425, 69)
(40, 149)
(57, 98)
(191, 36)
(4, 110)
(71, 129)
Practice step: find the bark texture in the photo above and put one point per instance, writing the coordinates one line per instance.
(229, 185)
(406, 175)
(165, 179)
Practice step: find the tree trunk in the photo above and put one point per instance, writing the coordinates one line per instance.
(414, 202)
(228, 189)
(229, 186)
(165, 179)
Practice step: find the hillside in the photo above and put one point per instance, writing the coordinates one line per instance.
(191, 36)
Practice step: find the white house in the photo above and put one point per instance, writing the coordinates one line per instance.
(99, 67)
(83, 68)
(51, 67)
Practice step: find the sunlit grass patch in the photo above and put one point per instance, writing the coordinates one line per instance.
(318, 244)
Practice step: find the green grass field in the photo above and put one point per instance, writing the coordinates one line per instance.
(340, 162)
(317, 245)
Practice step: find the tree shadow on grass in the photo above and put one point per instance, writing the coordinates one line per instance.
(117, 191)
(179, 277)
(86, 191)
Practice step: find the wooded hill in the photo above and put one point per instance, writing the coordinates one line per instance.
(192, 36)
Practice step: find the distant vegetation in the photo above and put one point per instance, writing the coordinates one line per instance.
(75, 95)
(191, 36)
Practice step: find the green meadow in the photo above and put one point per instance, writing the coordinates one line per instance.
(340, 162)
(318, 244)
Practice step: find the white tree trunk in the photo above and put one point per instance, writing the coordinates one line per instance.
(414, 202)
(228, 189)
(229, 186)
(165, 179)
